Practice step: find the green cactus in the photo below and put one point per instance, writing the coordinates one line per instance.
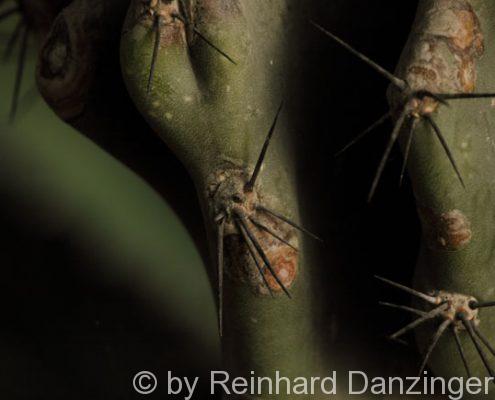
(441, 97)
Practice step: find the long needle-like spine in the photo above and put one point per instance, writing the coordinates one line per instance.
(372, 127)
(410, 135)
(261, 158)
(271, 232)
(220, 267)
(469, 327)
(425, 297)
(19, 73)
(428, 316)
(445, 146)
(252, 253)
(156, 49)
(262, 254)
(288, 221)
(399, 83)
(438, 334)
(461, 350)
(388, 149)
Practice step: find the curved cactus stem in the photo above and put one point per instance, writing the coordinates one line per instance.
(438, 334)
(461, 350)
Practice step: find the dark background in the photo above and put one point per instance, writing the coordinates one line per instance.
(70, 330)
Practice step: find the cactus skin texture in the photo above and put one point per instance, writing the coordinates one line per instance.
(451, 50)
(215, 115)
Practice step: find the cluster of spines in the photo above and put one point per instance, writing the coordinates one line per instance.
(254, 247)
(405, 114)
(470, 326)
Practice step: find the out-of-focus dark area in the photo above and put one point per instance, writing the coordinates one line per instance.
(100, 279)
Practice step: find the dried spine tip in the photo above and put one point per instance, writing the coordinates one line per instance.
(458, 312)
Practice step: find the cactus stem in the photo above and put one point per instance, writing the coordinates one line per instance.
(271, 232)
(220, 237)
(401, 84)
(288, 221)
(445, 146)
(410, 134)
(470, 329)
(252, 252)
(19, 73)
(461, 350)
(428, 316)
(13, 40)
(242, 223)
(7, 13)
(403, 308)
(372, 127)
(438, 334)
